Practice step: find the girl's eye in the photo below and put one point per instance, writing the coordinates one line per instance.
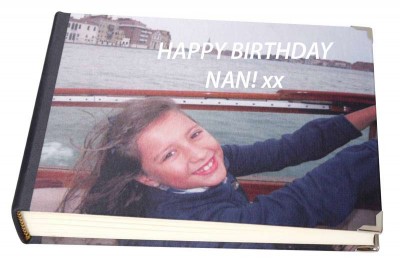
(169, 155)
(196, 134)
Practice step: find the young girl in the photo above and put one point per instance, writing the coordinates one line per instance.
(152, 160)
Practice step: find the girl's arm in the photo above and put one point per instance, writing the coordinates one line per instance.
(312, 141)
(362, 118)
(324, 196)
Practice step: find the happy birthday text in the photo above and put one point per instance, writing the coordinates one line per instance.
(248, 50)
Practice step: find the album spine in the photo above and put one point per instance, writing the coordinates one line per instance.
(37, 130)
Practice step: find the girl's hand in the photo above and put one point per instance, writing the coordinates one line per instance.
(362, 118)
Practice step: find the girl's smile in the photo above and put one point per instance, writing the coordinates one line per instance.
(176, 152)
(208, 167)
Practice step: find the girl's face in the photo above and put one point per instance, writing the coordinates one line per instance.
(178, 153)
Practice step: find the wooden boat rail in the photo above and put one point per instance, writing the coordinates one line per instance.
(283, 101)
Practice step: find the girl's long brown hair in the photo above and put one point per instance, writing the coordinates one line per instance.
(105, 174)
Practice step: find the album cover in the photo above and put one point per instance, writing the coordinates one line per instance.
(200, 133)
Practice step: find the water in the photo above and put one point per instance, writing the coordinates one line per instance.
(85, 66)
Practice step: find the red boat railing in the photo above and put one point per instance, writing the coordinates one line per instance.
(283, 101)
(286, 101)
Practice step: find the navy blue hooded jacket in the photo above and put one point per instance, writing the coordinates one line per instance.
(324, 196)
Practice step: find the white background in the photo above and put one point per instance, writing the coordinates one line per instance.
(25, 30)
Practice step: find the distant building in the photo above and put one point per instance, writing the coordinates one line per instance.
(314, 61)
(135, 31)
(108, 30)
(126, 42)
(142, 37)
(301, 61)
(157, 37)
(227, 53)
(363, 66)
(81, 32)
(340, 64)
(123, 32)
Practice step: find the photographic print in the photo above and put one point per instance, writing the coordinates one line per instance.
(212, 121)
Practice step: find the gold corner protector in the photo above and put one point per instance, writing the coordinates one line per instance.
(368, 30)
(374, 248)
(22, 224)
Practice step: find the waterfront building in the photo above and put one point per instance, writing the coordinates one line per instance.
(142, 37)
(157, 37)
(135, 31)
(108, 30)
(363, 66)
(124, 32)
(81, 32)
(341, 64)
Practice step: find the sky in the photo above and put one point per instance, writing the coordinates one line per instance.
(350, 44)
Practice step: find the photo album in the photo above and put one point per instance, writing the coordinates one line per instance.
(199, 133)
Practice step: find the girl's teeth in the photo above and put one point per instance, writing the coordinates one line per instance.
(208, 166)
